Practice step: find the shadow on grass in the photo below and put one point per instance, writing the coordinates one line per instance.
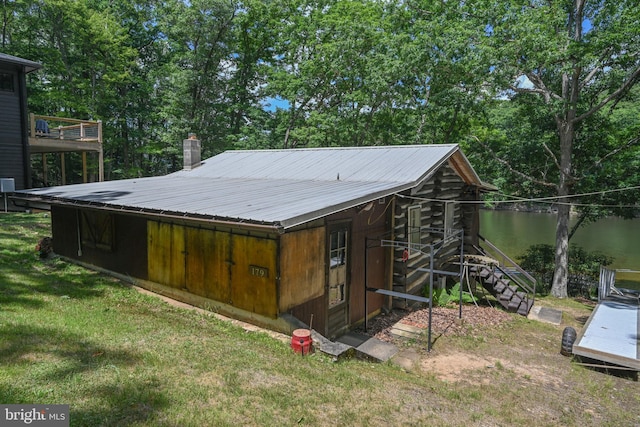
(62, 353)
(70, 362)
(23, 281)
(131, 404)
(24, 276)
(607, 368)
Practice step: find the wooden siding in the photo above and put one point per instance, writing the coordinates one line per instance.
(444, 185)
(235, 269)
(250, 291)
(12, 161)
(302, 258)
(372, 224)
(166, 254)
(204, 277)
(129, 253)
(316, 307)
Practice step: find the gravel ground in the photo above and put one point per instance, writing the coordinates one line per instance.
(443, 323)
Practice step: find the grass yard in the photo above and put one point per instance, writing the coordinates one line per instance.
(122, 358)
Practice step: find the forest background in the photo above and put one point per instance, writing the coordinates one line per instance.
(541, 96)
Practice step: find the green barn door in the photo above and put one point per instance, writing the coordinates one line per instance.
(338, 280)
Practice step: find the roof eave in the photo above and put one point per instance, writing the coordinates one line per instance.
(43, 202)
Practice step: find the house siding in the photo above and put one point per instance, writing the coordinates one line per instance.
(444, 185)
(128, 256)
(365, 225)
(220, 264)
(12, 144)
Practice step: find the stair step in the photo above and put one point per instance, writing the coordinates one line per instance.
(525, 307)
(513, 288)
(504, 303)
(499, 287)
(505, 282)
(514, 304)
(484, 272)
(521, 294)
(506, 294)
(492, 279)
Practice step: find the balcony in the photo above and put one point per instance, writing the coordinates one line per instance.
(48, 135)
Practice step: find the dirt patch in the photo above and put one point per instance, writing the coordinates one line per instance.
(444, 321)
(452, 367)
(458, 366)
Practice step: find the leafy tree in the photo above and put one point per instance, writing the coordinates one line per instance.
(580, 60)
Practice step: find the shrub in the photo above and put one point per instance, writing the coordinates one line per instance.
(584, 268)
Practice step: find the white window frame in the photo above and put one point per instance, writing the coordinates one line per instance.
(414, 225)
(449, 218)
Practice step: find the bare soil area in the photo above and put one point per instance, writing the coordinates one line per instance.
(444, 322)
(484, 343)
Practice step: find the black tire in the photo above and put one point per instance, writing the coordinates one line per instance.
(568, 338)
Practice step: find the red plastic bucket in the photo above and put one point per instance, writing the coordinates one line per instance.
(301, 341)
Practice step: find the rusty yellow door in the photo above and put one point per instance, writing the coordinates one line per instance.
(253, 274)
(166, 254)
(208, 266)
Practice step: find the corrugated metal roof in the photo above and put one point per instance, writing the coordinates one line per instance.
(374, 164)
(283, 188)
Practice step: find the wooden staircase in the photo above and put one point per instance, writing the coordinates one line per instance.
(508, 293)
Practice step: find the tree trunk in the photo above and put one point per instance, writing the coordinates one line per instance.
(561, 272)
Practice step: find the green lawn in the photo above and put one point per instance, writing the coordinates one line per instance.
(119, 357)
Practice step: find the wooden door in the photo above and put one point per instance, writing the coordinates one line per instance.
(338, 280)
(166, 254)
(208, 264)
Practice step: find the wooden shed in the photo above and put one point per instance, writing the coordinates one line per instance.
(14, 143)
(275, 237)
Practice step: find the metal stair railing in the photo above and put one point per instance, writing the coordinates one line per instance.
(509, 267)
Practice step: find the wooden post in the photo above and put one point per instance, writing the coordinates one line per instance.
(84, 167)
(32, 125)
(62, 169)
(100, 154)
(100, 164)
(44, 169)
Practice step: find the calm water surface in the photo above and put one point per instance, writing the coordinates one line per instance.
(514, 232)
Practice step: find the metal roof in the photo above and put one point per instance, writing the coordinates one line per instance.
(369, 164)
(611, 333)
(281, 188)
(29, 66)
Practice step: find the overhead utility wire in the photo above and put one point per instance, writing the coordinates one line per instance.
(550, 199)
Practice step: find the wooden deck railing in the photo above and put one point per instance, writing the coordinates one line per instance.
(65, 129)
(60, 135)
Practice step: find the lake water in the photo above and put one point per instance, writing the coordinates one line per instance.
(514, 232)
